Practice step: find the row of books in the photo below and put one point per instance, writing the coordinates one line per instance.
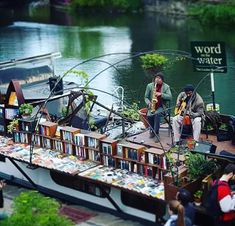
(128, 180)
(21, 137)
(46, 158)
(109, 161)
(68, 149)
(130, 153)
(66, 135)
(46, 143)
(94, 155)
(80, 152)
(44, 130)
(79, 139)
(107, 149)
(154, 159)
(92, 142)
(57, 145)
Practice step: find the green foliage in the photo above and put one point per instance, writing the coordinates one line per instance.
(215, 14)
(131, 112)
(26, 109)
(199, 166)
(32, 208)
(12, 125)
(65, 111)
(152, 60)
(84, 79)
(109, 5)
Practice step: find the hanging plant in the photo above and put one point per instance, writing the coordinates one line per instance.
(26, 109)
(154, 62)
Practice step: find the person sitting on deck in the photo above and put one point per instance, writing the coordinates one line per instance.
(189, 108)
(157, 94)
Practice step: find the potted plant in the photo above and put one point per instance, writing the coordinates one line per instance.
(197, 167)
(197, 196)
(154, 62)
(26, 109)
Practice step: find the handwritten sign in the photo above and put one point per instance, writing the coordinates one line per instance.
(209, 56)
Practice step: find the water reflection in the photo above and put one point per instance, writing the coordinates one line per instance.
(77, 37)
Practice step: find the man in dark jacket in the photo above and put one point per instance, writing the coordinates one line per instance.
(190, 105)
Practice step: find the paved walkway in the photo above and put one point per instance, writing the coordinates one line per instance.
(100, 218)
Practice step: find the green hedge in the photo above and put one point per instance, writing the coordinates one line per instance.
(34, 209)
(215, 14)
(109, 5)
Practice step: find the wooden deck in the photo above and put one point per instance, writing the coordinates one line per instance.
(166, 141)
(143, 138)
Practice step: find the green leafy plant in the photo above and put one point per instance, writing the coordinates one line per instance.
(109, 5)
(84, 79)
(12, 125)
(199, 166)
(154, 60)
(131, 112)
(32, 208)
(173, 165)
(26, 109)
(65, 111)
(221, 14)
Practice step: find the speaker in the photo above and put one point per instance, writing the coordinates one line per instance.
(59, 87)
(204, 147)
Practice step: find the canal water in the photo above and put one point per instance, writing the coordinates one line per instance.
(39, 30)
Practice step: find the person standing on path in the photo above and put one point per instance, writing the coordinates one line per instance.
(3, 215)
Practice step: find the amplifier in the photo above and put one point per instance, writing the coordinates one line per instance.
(204, 147)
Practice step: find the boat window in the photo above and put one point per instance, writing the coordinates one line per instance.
(79, 184)
(155, 206)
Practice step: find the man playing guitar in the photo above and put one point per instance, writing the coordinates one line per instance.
(189, 104)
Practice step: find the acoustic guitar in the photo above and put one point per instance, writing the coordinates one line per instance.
(180, 110)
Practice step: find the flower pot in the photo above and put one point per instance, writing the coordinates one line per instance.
(150, 72)
(143, 116)
(26, 116)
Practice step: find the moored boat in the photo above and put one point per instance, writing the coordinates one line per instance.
(62, 158)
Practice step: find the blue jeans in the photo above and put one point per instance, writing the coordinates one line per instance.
(154, 120)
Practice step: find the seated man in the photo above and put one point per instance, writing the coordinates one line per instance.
(157, 94)
(189, 105)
